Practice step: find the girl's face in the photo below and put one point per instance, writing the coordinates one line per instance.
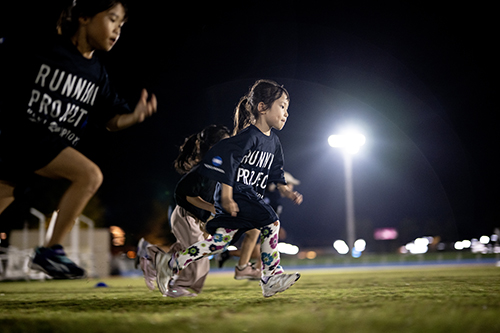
(103, 29)
(277, 114)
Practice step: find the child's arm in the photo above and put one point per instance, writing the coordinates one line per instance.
(200, 203)
(227, 200)
(285, 191)
(143, 109)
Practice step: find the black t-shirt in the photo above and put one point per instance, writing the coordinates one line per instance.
(247, 162)
(56, 88)
(49, 95)
(193, 184)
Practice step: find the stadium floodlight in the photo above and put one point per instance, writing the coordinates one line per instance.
(349, 142)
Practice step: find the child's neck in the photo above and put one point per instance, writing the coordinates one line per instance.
(81, 44)
(263, 127)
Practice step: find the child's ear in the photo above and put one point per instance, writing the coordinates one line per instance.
(261, 107)
(83, 20)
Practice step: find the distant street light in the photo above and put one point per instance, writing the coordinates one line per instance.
(350, 144)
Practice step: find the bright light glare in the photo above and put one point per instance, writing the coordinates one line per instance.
(419, 246)
(360, 245)
(311, 254)
(484, 239)
(118, 235)
(232, 248)
(349, 142)
(288, 248)
(465, 244)
(341, 247)
(422, 241)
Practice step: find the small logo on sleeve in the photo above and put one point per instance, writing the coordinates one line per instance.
(217, 161)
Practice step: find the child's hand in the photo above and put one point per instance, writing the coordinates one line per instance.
(145, 108)
(230, 206)
(296, 197)
(227, 201)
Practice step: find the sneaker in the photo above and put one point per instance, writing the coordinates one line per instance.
(54, 262)
(164, 273)
(151, 251)
(249, 273)
(141, 252)
(222, 258)
(149, 272)
(278, 283)
(179, 292)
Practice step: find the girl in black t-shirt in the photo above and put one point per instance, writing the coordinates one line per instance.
(46, 104)
(244, 164)
(194, 196)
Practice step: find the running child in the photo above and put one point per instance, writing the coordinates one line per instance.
(56, 91)
(244, 164)
(194, 195)
(195, 204)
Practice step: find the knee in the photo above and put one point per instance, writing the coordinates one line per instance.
(91, 177)
(252, 235)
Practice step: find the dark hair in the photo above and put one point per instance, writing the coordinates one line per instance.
(247, 111)
(67, 25)
(197, 145)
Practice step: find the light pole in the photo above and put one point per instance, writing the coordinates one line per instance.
(350, 144)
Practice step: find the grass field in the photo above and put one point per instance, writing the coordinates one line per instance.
(423, 299)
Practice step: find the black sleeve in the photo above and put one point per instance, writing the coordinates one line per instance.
(277, 174)
(111, 104)
(222, 161)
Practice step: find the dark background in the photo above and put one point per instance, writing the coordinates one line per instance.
(417, 80)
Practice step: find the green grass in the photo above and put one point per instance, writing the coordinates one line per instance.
(435, 299)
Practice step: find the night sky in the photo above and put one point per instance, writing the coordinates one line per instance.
(416, 80)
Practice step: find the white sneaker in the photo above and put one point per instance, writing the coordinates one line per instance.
(149, 272)
(249, 273)
(141, 251)
(151, 251)
(164, 273)
(278, 283)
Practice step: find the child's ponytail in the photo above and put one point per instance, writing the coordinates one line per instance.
(242, 116)
(187, 155)
(197, 145)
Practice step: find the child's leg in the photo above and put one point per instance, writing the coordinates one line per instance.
(85, 178)
(247, 246)
(214, 244)
(187, 231)
(269, 250)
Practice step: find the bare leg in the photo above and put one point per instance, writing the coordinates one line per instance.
(85, 178)
(247, 246)
(256, 255)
